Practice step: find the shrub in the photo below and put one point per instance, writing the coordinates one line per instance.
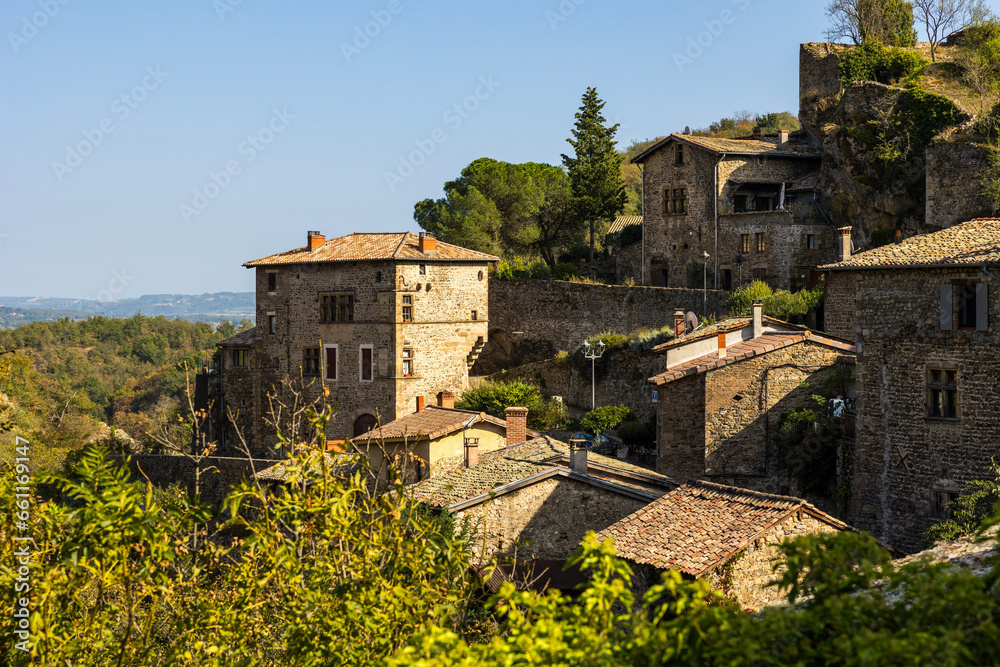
(565, 271)
(784, 305)
(494, 397)
(605, 417)
(637, 432)
(874, 62)
(512, 268)
(741, 299)
(611, 340)
(547, 414)
(980, 499)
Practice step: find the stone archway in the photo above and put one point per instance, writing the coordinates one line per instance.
(363, 424)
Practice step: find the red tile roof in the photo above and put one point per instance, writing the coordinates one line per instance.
(971, 243)
(363, 246)
(767, 146)
(701, 525)
(247, 338)
(431, 422)
(747, 349)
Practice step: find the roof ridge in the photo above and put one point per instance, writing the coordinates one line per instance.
(743, 491)
(395, 252)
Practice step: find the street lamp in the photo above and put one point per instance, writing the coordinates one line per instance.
(704, 291)
(593, 352)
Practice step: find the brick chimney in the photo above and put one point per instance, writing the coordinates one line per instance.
(756, 132)
(315, 240)
(758, 319)
(578, 455)
(420, 403)
(471, 452)
(844, 250)
(446, 399)
(722, 345)
(678, 321)
(517, 425)
(782, 138)
(428, 243)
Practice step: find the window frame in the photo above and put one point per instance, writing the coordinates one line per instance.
(406, 368)
(327, 347)
(272, 324)
(240, 354)
(810, 241)
(746, 243)
(272, 282)
(475, 316)
(679, 154)
(759, 242)
(311, 362)
(367, 347)
(942, 394)
(406, 308)
(334, 305)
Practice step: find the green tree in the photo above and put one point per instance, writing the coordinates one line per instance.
(595, 168)
(887, 21)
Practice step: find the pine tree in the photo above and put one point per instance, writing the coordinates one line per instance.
(595, 170)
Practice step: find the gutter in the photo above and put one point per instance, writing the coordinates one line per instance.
(990, 275)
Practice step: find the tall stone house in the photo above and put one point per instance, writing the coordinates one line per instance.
(382, 321)
(723, 393)
(924, 312)
(749, 202)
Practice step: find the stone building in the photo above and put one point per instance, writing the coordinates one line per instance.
(924, 312)
(537, 499)
(724, 391)
(726, 534)
(379, 320)
(749, 202)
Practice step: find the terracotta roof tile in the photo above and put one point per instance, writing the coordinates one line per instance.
(742, 146)
(247, 338)
(431, 422)
(339, 464)
(701, 525)
(376, 246)
(623, 221)
(971, 243)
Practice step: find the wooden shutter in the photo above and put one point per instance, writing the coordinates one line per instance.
(946, 307)
(982, 306)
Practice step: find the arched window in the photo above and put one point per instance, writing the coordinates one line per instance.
(363, 424)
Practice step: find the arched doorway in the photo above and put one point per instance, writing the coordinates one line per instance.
(363, 424)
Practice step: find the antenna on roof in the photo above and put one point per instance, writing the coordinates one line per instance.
(687, 129)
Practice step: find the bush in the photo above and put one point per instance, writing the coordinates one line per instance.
(494, 397)
(741, 299)
(605, 417)
(980, 499)
(565, 271)
(548, 414)
(784, 305)
(626, 237)
(611, 340)
(874, 62)
(520, 268)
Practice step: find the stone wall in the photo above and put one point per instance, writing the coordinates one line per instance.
(840, 306)
(819, 81)
(902, 455)
(953, 186)
(621, 379)
(546, 520)
(553, 315)
(214, 485)
(628, 263)
(753, 568)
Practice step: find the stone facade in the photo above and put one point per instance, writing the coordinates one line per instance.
(745, 577)
(903, 458)
(531, 320)
(721, 425)
(953, 183)
(428, 351)
(628, 262)
(546, 520)
(714, 182)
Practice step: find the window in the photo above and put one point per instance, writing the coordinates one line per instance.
(810, 242)
(740, 203)
(330, 362)
(271, 324)
(272, 282)
(675, 201)
(240, 358)
(475, 315)
(760, 241)
(679, 154)
(407, 362)
(940, 503)
(760, 273)
(763, 203)
(727, 279)
(337, 308)
(746, 243)
(366, 363)
(965, 302)
(942, 393)
(407, 308)
(310, 361)
(423, 269)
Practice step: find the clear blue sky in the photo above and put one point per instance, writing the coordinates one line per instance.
(182, 86)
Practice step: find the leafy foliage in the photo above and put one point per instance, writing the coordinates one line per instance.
(494, 396)
(605, 417)
(520, 268)
(873, 61)
(980, 500)
(740, 300)
(742, 123)
(780, 304)
(884, 21)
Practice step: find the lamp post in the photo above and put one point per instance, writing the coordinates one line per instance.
(704, 291)
(739, 265)
(593, 352)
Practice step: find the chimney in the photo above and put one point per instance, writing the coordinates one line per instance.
(758, 319)
(782, 138)
(446, 399)
(315, 240)
(578, 455)
(722, 345)
(517, 425)
(678, 322)
(845, 243)
(420, 403)
(428, 243)
(471, 452)
(899, 236)
(756, 132)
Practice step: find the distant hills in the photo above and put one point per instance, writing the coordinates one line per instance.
(211, 308)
